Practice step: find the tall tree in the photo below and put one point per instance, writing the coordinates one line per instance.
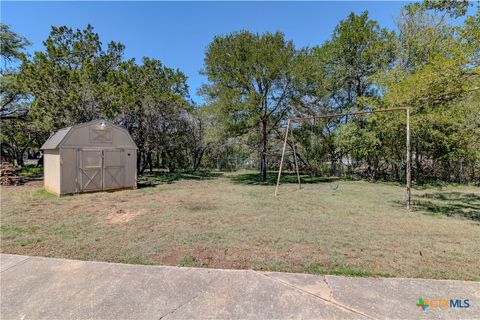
(358, 49)
(153, 104)
(435, 73)
(251, 85)
(70, 81)
(341, 75)
(13, 102)
(17, 135)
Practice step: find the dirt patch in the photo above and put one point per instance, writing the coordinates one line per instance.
(120, 216)
(205, 257)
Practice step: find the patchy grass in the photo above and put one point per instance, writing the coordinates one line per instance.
(188, 261)
(344, 270)
(227, 221)
(41, 193)
(134, 260)
(12, 232)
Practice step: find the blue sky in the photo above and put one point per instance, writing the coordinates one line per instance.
(178, 33)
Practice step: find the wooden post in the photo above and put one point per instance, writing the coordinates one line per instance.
(295, 160)
(283, 155)
(408, 173)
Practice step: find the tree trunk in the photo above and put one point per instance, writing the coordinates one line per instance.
(139, 161)
(146, 158)
(197, 161)
(150, 162)
(20, 161)
(263, 153)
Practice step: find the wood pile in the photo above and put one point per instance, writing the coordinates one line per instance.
(8, 176)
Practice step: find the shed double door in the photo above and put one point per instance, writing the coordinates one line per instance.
(101, 169)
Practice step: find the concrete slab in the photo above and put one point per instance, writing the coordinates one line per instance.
(251, 295)
(9, 260)
(389, 298)
(45, 288)
(312, 284)
(397, 298)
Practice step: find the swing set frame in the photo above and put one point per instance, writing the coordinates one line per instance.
(336, 115)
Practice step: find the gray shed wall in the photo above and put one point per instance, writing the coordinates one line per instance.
(62, 165)
(69, 172)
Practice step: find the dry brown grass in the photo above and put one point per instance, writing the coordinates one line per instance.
(360, 229)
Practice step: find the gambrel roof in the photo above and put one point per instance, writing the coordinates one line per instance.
(61, 137)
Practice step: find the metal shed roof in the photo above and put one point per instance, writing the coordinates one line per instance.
(58, 138)
(54, 141)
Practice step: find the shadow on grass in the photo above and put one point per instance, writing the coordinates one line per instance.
(449, 204)
(430, 184)
(161, 177)
(254, 178)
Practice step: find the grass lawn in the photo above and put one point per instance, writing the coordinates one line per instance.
(230, 221)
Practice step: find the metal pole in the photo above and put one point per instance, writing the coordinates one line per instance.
(334, 115)
(408, 173)
(295, 160)
(283, 155)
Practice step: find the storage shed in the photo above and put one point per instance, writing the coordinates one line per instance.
(92, 156)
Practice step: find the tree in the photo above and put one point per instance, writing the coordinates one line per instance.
(16, 135)
(197, 145)
(359, 48)
(436, 70)
(77, 79)
(12, 96)
(340, 76)
(12, 47)
(251, 85)
(154, 107)
(71, 80)
(454, 8)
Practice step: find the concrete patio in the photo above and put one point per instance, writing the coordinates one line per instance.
(47, 288)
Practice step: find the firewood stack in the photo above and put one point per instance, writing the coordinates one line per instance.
(8, 176)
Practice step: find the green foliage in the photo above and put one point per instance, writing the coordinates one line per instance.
(30, 171)
(257, 81)
(153, 106)
(251, 85)
(78, 79)
(455, 8)
(358, 49)
(14, 101)
(12, 46)
(440, 82)
(71, 80)
(430, 67)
